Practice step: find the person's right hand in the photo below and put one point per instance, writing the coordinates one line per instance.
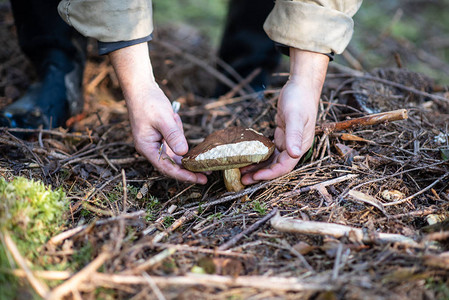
(152, 119)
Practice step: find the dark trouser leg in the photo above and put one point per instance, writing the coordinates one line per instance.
(58, 54)
(245, 45)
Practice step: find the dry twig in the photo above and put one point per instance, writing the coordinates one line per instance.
(74, 282)
(39, 286)
(338, 231)
(259, 282)
(247, 231)
(373, 119)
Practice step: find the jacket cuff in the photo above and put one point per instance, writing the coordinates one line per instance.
(108, 47)
(308, 26)
(284, 49)
(109, 21)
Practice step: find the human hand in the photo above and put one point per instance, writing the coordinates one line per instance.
(152, 118)
(296, 116)
(154, 122)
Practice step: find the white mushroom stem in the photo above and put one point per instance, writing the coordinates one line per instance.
(232, 180)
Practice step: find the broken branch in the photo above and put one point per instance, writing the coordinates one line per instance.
(337, 230)
(260, 282)
(374, 119)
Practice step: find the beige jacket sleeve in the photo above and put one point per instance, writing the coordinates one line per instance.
(109, 20)
(315, 25)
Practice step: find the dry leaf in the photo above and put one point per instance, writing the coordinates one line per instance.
(352, 137)
(221, 266)
(392, 195)
(346, 152)
(362, 197)
(303, 248)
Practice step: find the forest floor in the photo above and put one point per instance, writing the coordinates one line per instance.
(381, 191)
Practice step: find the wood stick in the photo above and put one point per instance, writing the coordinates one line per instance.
(188, 215)
(156, 259)
(186, 248)
(153, 286)
(62, 134)
(247, 231)
(125, 191)
(71, 232)
(337, 230)
(57, 155)
(242, 83)
(67, 286)
(48, 275)
(39, 286)
(259, 282)
(417, 213)
(418, 193)
(374, 119)
(437, 98)
(261, 185)
(318, 186)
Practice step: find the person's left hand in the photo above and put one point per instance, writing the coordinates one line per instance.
(295, 120)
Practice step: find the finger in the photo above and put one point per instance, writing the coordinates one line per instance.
(173, 135)
(167, 165)
(179, 122)
(279, 138)
(253, 168)
(169, 152)
(294, 128)
(309, 135)
(282, 165)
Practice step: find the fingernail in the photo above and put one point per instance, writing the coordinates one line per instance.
(296, 151)
(179, 148)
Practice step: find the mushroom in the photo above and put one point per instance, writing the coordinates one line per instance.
(229, 150)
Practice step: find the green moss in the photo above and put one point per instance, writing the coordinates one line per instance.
(31, 213)
(8, 283)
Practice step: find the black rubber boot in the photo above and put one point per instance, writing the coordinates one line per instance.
(58, 53)
(51, 101)
(245, 45)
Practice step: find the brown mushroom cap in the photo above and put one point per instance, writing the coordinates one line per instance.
(229, 148)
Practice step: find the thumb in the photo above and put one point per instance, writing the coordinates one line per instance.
(174, 136)
(293, 136)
